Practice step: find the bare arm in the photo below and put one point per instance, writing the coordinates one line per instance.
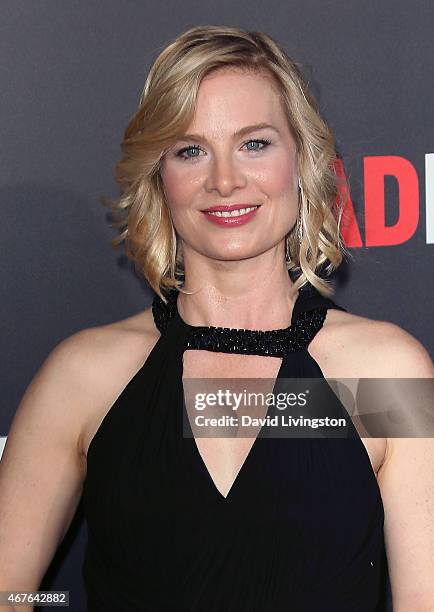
(382, 350)
(406, 481)
(42, 471)
(44, 465)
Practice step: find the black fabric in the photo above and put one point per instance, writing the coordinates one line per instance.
(301, 529)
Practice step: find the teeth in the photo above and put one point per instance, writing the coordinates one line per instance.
(233, 213)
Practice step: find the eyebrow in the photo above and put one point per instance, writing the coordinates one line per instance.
(241, 132)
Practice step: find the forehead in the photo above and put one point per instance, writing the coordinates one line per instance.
(230, 98)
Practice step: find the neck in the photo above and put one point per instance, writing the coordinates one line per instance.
(252, 294)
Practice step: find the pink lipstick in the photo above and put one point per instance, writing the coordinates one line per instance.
(233, 215)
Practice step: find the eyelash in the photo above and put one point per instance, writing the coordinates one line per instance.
(263, 141)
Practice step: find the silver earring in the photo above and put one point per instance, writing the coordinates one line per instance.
(299, 230)
(299, 220)
(287, 254)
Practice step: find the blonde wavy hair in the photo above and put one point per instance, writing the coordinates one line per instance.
(166, 108)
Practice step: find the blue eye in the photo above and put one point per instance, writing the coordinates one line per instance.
(261, 141)
(191, 148)
(193, 151)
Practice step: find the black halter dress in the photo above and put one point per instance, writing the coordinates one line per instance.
(301, 529)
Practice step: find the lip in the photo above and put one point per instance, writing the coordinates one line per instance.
(230, 207)
(231, 221)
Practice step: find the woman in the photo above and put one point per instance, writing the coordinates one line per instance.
(227, 184)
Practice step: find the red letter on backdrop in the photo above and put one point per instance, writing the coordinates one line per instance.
(375, 169)
(349, 228)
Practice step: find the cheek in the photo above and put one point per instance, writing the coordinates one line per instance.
(178, 192)
(279, 177)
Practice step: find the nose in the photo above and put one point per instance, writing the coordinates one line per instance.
(224, 176)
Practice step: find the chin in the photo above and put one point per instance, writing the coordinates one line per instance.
(228, 256)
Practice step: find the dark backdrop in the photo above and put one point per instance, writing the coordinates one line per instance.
(71, 75)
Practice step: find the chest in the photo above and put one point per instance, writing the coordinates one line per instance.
(224, 457)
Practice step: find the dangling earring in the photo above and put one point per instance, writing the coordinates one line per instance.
(299, 220)
(299, 229)
(287, 253)
(299, 225)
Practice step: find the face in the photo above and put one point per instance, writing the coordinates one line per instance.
(223, 160)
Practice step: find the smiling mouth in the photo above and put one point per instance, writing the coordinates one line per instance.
(232, 213)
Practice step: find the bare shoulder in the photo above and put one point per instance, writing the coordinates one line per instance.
(70, 393)
(98, 362)
(354, 346)
(350, 346)
(119, 345)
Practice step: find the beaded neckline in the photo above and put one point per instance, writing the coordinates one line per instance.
(275, 343)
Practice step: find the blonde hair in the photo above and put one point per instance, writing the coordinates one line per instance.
(166, 108)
